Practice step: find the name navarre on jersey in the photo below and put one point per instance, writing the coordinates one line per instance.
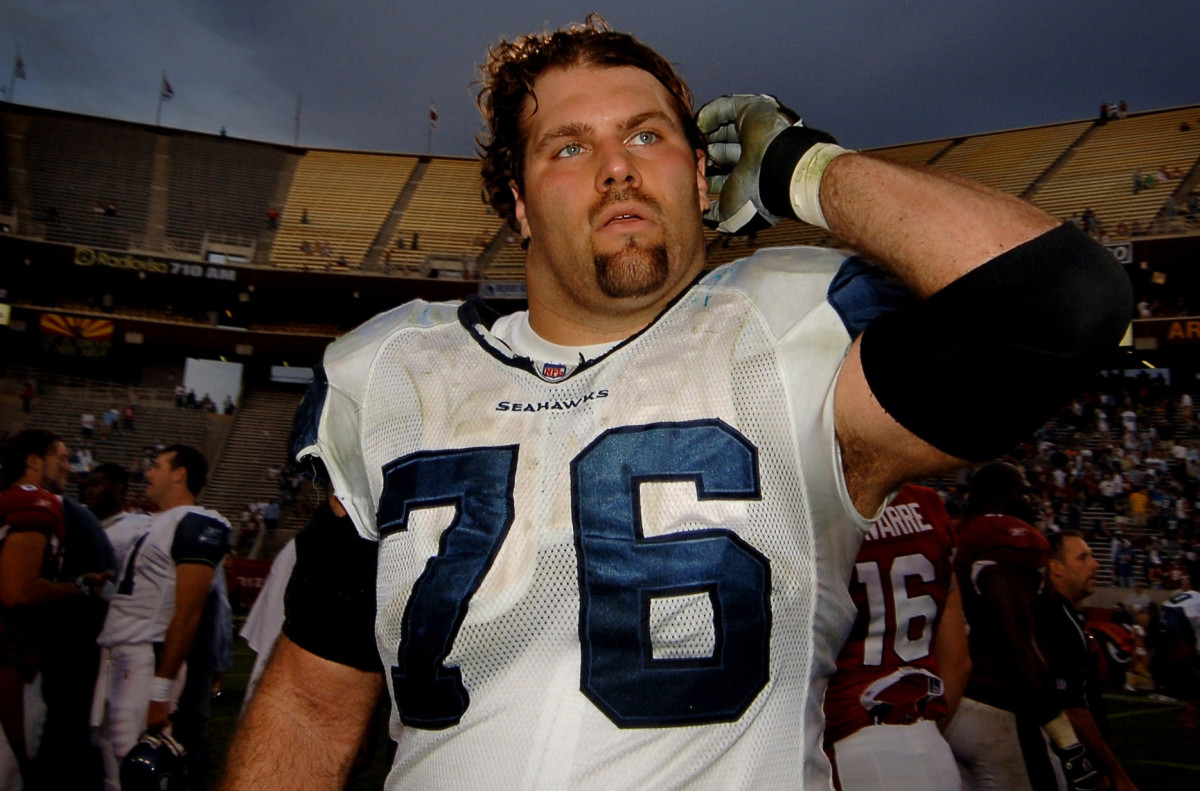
(901, 519)
(570, 403)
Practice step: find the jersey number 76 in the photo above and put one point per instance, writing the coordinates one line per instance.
(620, 572)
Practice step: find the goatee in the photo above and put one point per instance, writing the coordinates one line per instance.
(633, 271)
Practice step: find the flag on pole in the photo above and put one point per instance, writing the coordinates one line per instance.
(19, 68)
(167, 91)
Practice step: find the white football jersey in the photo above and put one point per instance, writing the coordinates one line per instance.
(122, 530)
(631, 577)
(145, 599)
(1184, 608)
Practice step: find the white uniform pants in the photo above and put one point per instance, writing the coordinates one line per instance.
(896, 758)
(988, 748)
(122, 701)
(35, 716)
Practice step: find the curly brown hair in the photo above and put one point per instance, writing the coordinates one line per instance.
(507, 78)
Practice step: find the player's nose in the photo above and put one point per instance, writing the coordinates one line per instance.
(617, 167)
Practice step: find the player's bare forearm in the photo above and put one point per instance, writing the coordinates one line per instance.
(952, 653)
(192, 584)
(302, 729)
(927, 226)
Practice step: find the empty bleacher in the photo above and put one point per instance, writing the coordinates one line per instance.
(1011, 161)
(1099, 174)
(77, 166)
(448, 216)
(338, 201)
(257, 440)
(220, 186)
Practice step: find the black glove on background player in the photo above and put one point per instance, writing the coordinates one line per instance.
(1080, 772)
(755, 146)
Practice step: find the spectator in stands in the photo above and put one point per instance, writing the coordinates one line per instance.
(1137, 181)
(229, 406)
(111, 420)
(272, 219)
(87, 425)
(1123, 560)
(26, 396)
(110, 210)
(416, 240)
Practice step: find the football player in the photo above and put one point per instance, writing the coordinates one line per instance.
(1010, 697)
(1179, 665)
(629, 568)
(32, 544)
(904, 666)
(166, 576)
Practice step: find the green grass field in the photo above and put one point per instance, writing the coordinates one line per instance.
(1158, 752)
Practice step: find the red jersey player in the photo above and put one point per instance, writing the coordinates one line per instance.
(905, 662)
(1010, 697)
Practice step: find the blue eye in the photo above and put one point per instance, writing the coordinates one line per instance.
(644, 138)
(570, 150)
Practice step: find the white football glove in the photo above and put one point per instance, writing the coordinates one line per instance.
(751, 160)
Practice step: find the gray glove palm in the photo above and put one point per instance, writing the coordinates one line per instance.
(754, 145)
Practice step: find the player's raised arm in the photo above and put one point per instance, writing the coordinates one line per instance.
(1016, 311)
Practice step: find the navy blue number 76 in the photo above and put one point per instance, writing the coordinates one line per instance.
(620, 572)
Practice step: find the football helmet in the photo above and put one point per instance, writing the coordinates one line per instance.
(156, 763)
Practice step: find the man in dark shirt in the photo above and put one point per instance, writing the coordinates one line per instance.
(1070, 651)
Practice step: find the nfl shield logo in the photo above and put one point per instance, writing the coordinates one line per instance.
(553, 371)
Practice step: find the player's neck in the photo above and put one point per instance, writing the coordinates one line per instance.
(176, 499)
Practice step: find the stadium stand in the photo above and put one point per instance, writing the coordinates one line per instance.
(220, 188)
(89, 179)
(1011, 161)
(337, 203)
(1099, 173)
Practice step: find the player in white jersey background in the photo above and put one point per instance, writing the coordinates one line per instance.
(633, 573)
(165, 577)
(1178, 667)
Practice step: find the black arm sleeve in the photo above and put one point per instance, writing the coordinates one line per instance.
(981, 364)
(329, 606)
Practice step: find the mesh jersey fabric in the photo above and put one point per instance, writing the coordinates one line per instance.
(574, 575)
(144, 601)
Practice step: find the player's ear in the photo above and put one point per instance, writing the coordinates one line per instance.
(701, 182)
(519, 209)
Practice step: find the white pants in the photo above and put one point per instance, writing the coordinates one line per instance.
(35, 716)
(988, 748)
(896, 758)
(122, 701)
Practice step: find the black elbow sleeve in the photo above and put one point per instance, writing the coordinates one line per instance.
(329, 606)
(981, 364)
